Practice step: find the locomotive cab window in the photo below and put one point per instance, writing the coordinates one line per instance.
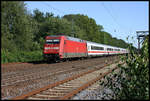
(53, 41)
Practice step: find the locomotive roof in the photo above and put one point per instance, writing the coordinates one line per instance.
(68, 37)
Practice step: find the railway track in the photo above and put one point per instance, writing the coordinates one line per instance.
(27, 79)
(23, 78)
(11, 78)
(68, 87)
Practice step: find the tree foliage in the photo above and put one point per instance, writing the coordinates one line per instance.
(16, 26)
(23, 31)
(94, 32)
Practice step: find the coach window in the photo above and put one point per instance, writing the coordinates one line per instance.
(101, 48)
(97, 48)
(108, 49)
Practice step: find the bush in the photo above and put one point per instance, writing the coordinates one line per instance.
(20, 56)
(134, 77)
(3, 56)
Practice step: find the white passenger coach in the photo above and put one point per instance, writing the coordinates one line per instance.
(96, 49)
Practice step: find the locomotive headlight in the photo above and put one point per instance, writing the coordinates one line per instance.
(51, 48)
(55, 47)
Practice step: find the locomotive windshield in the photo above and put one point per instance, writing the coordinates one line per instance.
(52, 41)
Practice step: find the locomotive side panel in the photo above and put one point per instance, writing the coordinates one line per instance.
(74, 49)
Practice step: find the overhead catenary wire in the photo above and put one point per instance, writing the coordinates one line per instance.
(54, 8)
(110, 14)
(58, 10)
(114, 19)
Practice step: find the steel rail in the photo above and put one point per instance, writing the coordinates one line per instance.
(64, 81)
(54, 84)
(71, 94)
(35, 77)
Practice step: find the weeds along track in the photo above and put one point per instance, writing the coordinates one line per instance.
(29, 77)
(68, 87)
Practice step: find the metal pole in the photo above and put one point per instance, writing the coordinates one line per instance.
(72, 28)
(139, 44)
(104, 38)
(140, 34)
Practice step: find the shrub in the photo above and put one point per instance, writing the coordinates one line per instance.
(20, 56)
(134, 77)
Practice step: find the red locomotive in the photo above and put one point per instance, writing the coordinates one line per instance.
(61, 47)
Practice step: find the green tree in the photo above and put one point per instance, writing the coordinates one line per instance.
(16, 25)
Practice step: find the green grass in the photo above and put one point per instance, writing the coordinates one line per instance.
(20, 56)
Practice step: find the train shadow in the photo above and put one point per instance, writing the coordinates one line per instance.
(52, 62)
(67, 60)
(41, 62)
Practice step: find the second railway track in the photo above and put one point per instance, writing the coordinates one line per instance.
(68, 87)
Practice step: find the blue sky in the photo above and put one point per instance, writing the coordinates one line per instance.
(120, 19)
